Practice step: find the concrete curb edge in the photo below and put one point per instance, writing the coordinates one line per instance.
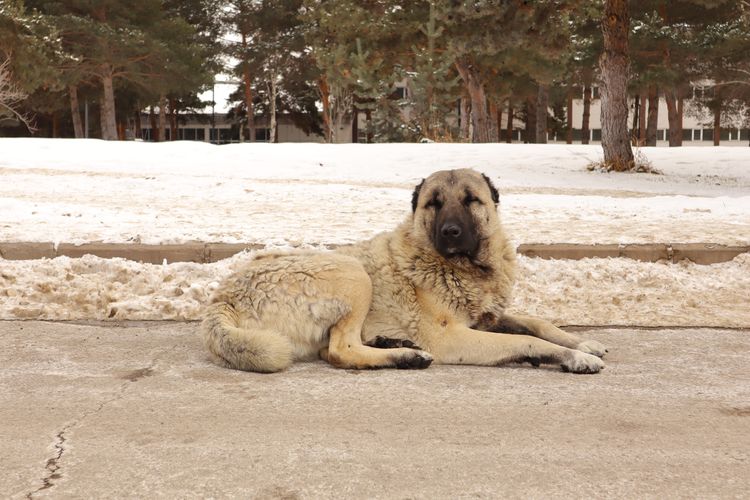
(200, 252)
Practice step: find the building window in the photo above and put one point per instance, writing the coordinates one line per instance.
(687, 134)
(745, 134)
(187, 134)
(696, 135)
(596, 134)
(595, 93)
(708, 134)
(262, 134)
(703, 92)
(225, 135)
(400, 93)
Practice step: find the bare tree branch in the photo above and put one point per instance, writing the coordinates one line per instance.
(11, 96)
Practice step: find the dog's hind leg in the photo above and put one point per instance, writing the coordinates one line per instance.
(345, 347)
(536, 327)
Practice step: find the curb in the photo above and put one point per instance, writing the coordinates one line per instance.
(699, 253)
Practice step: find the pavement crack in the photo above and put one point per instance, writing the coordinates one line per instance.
(53, 464)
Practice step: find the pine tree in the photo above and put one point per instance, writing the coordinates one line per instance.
(273, 62)
(357, 76)
(487, 36)
(137, 46)
(722, 46)
(666, 37)
(433, 83)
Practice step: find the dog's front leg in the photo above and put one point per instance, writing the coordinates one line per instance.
(461, 345)
(528, 325)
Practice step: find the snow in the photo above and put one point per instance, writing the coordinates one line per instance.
(290, 195)
(584, 292)
(83, 191)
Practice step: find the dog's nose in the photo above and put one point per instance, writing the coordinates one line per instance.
(450, 230)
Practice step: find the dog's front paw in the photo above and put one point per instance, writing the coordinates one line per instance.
(412, 359)
(592, 347)
(581, 362)
(389, 343)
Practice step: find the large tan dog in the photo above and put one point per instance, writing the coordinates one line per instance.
(441, 280)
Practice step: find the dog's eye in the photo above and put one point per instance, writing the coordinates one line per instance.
(471, 199)
(434, 203)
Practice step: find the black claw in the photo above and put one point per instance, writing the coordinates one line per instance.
(416, 362)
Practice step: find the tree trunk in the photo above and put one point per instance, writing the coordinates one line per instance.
(499, 123)
(173, 120)
(530, 131)
(121, 131)
(368, 120)
(675, 128)
(717, 122)
(272, 109)
(494, 121)
(653, 115)
(154, 128)
(107, 106)
(585, 131)
(542, 98)
(475, 87)
(55, 125)
(509, 128)
(636, 119)
(325, 96)
(680, 115)
(162, 118)
(248, 82)
(465, 112)
(355, 124)
(75, 112)
(614, 65)
(138, 126)
(569, 118)
(642, 121)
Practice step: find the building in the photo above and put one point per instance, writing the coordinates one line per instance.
(213, 126)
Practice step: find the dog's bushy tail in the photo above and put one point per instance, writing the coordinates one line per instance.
(255, 350)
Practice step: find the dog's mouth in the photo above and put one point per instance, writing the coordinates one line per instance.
(457, 254)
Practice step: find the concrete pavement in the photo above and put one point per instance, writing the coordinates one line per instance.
(137, 410)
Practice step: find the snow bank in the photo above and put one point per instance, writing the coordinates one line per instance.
(585, 292)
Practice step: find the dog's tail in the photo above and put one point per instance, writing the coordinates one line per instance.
(255, 350)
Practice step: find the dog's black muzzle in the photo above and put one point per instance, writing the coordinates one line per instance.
(455, 237)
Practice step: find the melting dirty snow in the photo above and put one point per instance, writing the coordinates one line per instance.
(585, 292)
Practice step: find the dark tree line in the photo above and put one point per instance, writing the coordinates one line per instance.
(325, 62)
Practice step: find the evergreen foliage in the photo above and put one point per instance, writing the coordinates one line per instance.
(322, 63)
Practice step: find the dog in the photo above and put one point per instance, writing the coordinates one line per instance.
(435, 289)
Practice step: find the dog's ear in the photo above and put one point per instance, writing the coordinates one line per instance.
(415, 196)
(493, 189)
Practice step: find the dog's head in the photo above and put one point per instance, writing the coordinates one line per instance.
(456, 211)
